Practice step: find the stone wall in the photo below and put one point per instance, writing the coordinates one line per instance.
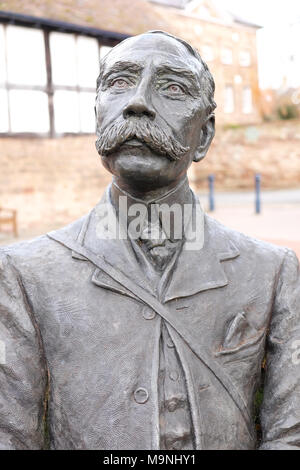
(236, 154)
(138, 16)
(52, 182)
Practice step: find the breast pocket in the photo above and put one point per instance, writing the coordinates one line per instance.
(241, 339)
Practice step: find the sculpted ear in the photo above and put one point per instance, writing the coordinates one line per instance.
(207, 135)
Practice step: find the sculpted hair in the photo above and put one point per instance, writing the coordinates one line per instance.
(207, 80)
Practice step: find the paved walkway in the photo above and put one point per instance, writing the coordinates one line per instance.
(276, 224)
(279, 221)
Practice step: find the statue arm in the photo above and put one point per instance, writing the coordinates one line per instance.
(280, 413)
(23, 377)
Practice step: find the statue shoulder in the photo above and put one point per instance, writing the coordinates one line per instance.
(247, 246)
(41, 250)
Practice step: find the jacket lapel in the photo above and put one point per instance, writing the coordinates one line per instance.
(196, 270)
(101, 279)
(201, 269)
(98, 236)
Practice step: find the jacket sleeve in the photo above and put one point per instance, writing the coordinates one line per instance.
(22, 366)
(280, 413)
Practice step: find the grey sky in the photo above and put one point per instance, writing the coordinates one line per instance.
(264, 12)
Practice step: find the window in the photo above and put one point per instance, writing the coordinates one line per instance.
(247, 100)
(238, 79)
(75, 67)
(2, 57)
(198, 29)
(29, 111)
(23, 80)
(47, 81)
(207, 53)
(4, 120)
(245, 58)
(226, 56)
(25, 50)
(63, 59)
(87, 115)
(104, 50)
(66, 111)
(87, 61)
(228, 99)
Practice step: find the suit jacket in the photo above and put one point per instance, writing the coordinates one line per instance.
(80, 329)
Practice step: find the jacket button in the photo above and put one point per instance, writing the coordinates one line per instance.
(170, 343)
(172, 405)
(141, 395)
(148, 314)
(177, 445)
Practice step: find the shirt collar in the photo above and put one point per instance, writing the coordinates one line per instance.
(180, 195)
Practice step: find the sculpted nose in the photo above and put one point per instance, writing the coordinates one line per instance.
(138, 106)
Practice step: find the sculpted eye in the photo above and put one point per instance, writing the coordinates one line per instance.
(119, 83)
(176, 89)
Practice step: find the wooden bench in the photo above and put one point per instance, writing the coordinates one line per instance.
(9, 217)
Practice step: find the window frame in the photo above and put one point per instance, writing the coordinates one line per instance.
(230, 86)
(229, 49)
(49, 88)
(212, 51)
(54, 87)
(247, 100)
(249, 55)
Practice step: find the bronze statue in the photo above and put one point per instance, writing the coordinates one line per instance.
(125, 340)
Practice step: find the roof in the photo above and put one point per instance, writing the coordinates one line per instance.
(245, 22)
(207, 10)
(110, 20)
(128, 17)
(107, 37)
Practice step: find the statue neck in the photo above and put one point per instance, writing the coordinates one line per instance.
(179, 194)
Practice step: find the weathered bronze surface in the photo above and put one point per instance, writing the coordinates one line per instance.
(112, 341)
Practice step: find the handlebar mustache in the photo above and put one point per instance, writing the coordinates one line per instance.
(159, 140)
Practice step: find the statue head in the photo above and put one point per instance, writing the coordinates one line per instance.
(154, 109)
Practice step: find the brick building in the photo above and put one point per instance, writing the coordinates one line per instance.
(49, 59)
(228, 45)
(50, 51)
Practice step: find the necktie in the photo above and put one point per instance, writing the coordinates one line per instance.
(156, 244)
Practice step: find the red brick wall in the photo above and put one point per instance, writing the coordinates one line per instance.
(53, 181)
(50, 181)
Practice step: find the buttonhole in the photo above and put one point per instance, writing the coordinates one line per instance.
(203, 387)
(181, 308)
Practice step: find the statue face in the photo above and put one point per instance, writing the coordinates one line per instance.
(150, 111)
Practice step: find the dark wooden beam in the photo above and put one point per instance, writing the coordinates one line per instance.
(50, 91)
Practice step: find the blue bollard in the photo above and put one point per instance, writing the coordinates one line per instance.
(211, 182)
(257, 193)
